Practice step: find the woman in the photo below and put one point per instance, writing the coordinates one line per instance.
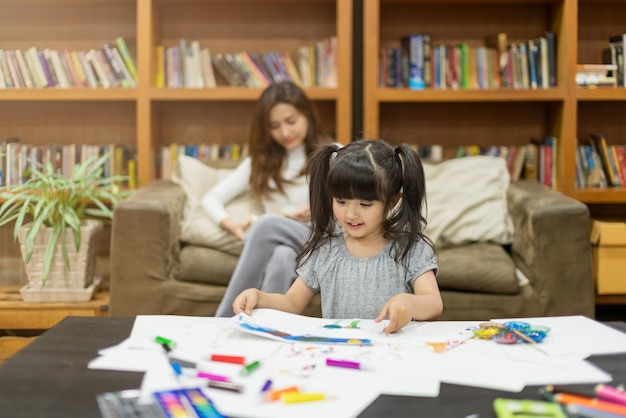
(285, 131)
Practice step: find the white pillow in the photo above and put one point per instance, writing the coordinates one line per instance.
(467, 201)
(197, 178)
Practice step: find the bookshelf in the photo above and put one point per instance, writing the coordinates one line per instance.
(148, 117)
(503, 116)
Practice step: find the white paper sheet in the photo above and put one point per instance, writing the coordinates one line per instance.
(403, 363)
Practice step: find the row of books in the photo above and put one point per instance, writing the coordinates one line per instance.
(18, 159)
(599, 164)
(534, 161)
(189, 65)
(596, 75)
(113, 65)
(168, 155)
(418, 63)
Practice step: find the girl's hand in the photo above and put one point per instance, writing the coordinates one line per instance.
(398, 309)
(246, 301)
(236, 228)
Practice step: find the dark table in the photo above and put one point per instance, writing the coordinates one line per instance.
(50, 378)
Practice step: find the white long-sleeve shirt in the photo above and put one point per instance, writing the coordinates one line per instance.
(238, 182)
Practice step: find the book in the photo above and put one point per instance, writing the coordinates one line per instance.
(550, 39)
(18, 81)
(599, 143)
(596, 176)
(581, 168)
(499, 41)
(8, 80)
(24, 69)
(616, 46)
(620, 152)
(159, 80)
(107, 50)
(615, 167)
(69, 65)
(244, 73)
(228, 73)
(59, 70)
(36, 66)
(257, 59)
(88, 69)
(123, 68)
(207, 68)
(122, 45)
(48, 59)
(80, 71)
(412, 46)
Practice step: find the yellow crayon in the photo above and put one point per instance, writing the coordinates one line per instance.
(295, 397)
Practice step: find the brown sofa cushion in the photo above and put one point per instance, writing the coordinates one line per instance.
(480, 267)
(205, 265)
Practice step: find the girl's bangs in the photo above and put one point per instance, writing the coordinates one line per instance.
(352, 181)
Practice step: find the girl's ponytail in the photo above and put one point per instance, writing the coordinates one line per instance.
(320, 201)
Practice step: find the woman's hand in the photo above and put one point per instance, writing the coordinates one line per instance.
(236, 228)
(301, 213)
(246, 301)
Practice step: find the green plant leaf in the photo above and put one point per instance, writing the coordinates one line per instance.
(34, 230)
(49, 253)
(22, 214)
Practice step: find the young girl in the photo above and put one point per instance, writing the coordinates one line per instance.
(367, 255)
(284, 132)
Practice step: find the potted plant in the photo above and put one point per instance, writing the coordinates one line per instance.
(56, 221)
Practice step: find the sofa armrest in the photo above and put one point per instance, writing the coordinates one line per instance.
(551, 247)
(145, 242)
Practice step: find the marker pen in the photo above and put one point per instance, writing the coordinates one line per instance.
(212, 376)
(162, 340)
(230, 386)
(266, 386)
(296, 397)
(274, 395)
(343, 363)
(610, 393)
(249, 368)
(224, 358)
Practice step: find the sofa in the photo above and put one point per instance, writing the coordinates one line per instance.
(505, 249)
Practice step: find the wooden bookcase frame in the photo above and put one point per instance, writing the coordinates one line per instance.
(148, 117)
(503, 116)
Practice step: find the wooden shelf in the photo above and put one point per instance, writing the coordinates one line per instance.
(500, 95)
(147, 117)
(502, 117)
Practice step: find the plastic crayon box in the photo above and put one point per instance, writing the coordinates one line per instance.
(183, 403)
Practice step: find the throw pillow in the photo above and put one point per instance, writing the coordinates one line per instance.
(467, 201)
(197, 178)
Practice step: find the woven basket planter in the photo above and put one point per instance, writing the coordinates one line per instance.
(82, 263)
